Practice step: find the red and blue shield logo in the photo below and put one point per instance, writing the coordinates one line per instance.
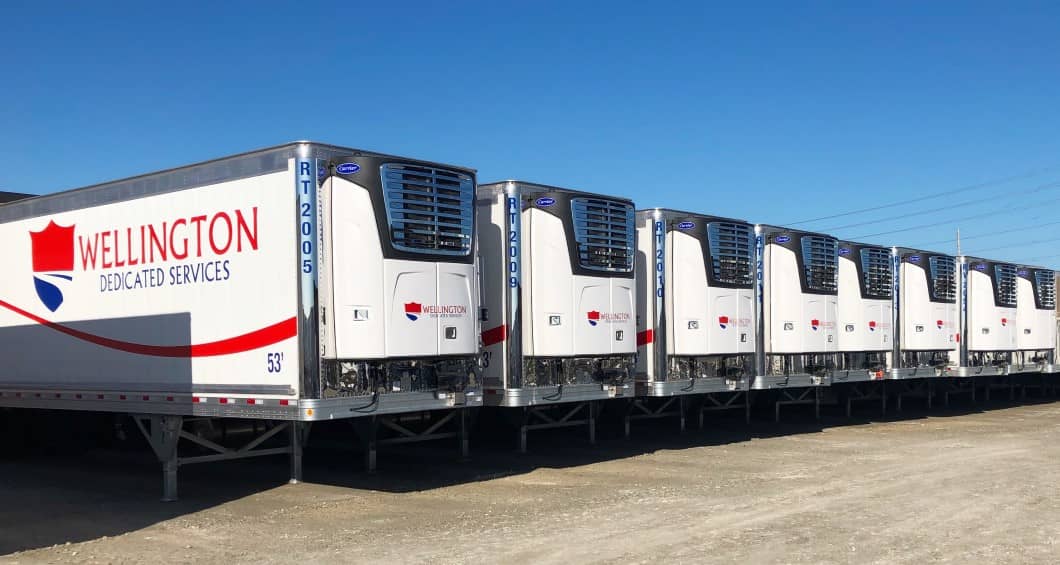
(814, 324)
(723, 321)
(938, 324)
(594, 317)
(413, 310)
(872, 325)
(1004, 322)
(53, 261)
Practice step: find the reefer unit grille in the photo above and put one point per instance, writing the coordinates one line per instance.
(731, 248)
(1005, 279)
(1046, 285)
(819, 255)
(429, 210)
(879, 275)
(943, 278)
(604, 232)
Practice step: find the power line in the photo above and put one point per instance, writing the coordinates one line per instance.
(943, 222)
(991, 234)
(1039, 188)
(979, 186)
(1022, 243)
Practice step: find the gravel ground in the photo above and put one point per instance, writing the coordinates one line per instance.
(978, 485)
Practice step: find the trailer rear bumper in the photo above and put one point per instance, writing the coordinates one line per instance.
(984, 371)
(914, 373)
(857, 376)
(692, 386)
(313, 410)
(799, 380)
(559, 394)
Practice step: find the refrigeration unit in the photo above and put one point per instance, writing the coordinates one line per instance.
(1036, 337)
(866, 290)
(925, 314)
(558, 296)
(987, 296)
(797, 308)
(695, 308)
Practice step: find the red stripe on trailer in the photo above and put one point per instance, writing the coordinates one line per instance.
(494, 335)
(251, 401)
(645, 337)
(197, 399)
(284, 402)
(223, 400)
(238, 344)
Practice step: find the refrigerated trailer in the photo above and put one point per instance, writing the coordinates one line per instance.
(866, 286)
(558, 302)
(925, 321)
(1036, 337)
(987, 297)
(796, 313)
(695, 311)
(298, 283)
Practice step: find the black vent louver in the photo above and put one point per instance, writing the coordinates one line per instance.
(878, 272)
(1045, 283)
(731, 250)
(1005, 279)
(603, 230)
(819, 255)
(430, 210)
(943, 271)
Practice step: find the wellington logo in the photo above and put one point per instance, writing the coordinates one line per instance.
(53, 261)
(814, 324)
(872, 325)
(938, 324)
(723, 321)
(1004, 322)
(413, 310)
(594, 317)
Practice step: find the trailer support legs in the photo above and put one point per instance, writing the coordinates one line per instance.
(558, 416)
(412, 428)
(163, 432)
(715, 401)
(810, 395)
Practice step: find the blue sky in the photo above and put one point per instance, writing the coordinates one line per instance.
(774, 112)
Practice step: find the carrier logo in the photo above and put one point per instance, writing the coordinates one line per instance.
(723, 321)
(595, 317)
(814, 324)
(53, 257)
(914, 258)
(545, 202)
(347, 168)
(686, 225)
(415, 310)
(782, 239)
(872, 325)
(844, 251)
(980, 267)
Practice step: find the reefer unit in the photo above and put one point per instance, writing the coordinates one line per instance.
(866, 289)
(304, 281)
(558, 292)
(926, 319)
(695, 303)
(987, 295)
(797, 296)
(1036, 318)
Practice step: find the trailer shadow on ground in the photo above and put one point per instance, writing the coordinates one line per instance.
(54, 498)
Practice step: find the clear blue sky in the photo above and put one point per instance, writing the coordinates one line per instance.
(770, 111)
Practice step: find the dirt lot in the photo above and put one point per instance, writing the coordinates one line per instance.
(978, 485)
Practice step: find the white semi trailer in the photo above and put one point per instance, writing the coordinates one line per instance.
(987, 296)
(797, 312)
(559, 302)
(298, 283)
(695, 312)
(1036, 337)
